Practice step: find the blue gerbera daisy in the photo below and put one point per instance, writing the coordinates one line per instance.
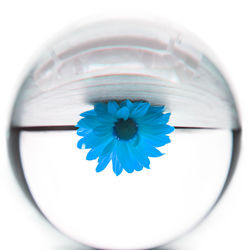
(125, 133)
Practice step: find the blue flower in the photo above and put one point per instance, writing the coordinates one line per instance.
(125, 133)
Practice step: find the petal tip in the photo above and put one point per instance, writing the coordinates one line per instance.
(98, 170)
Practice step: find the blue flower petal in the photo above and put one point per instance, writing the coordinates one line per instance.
(154, 118)
(112, 107)
(100, 108)
(140, 110)
(158, 129)
(123, 113)
(109, 148)
(139, 154)
(149, 118)
(151, 151)
(88, 122)
(83, 131)
(127, 103)
(88, 113)
(169, 129)
(106, 119)
(156, 109)
(138, 167)
(80, 143)
(95, 152)
(122, 153)
(163, 119)
(117, 167)
(91, 140)
(133, 161)
(135, 141)
(103, 163)
(157, 140)
(102, 130)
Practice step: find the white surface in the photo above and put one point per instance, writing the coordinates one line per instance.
(27, 25)
(132, 211)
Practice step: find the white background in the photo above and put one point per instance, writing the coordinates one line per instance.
(26, 26)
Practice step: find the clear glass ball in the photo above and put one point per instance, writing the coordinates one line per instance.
(119, 60)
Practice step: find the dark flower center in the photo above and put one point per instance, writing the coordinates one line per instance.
(125, 129)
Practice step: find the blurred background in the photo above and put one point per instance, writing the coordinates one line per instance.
(26, 26)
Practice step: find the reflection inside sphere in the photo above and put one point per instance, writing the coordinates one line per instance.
(164, 69)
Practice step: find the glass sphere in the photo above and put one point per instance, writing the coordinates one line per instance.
(129, 68)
